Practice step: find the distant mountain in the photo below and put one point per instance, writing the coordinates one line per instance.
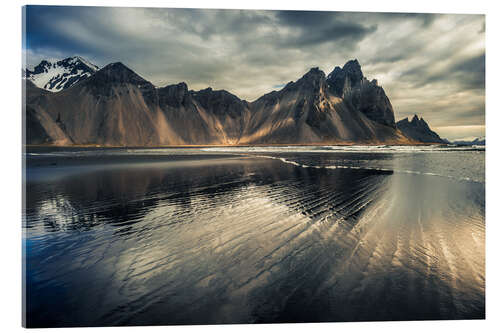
(116, 106)
(481, 141)
(59, 75)
(418, 130)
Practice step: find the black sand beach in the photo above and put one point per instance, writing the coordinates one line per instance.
(206, 237)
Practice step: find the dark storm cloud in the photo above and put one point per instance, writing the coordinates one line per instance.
(430, 64)
(471, 72)
(210, 23)
(466, 73)
(38, 30)
(425, 19)
(62, 30)
(321, 27)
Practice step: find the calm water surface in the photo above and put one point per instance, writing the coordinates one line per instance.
(191, 236)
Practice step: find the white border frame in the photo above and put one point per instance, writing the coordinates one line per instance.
(11, 140)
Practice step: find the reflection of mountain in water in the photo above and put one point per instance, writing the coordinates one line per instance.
(252, 240)
(124, 196)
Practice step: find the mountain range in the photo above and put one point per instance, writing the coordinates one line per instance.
(481, 141)
(72, 102)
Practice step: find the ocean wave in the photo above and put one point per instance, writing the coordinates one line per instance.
(346, 149)
(398, 171)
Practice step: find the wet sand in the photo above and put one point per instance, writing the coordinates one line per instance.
(212, 238)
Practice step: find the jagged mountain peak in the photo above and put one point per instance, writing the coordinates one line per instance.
(62, 74)
(420, 122)
(79, 61)
(314, 71)
(181, 87)
(117, 65)
(418, 130)
(118, 73)
(342, 80)
(413, 121)
(313, 75)
(220, 102)
(84, 61)
(174, 95)
(210, 91)
(365, 96)
(335, 72)
(352, 68)
(117, 68)
(353, 65)
(312, 81)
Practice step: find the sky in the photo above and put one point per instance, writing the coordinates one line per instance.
(432, 65)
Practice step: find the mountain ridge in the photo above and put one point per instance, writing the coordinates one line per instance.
(478, 141)
(419, 130)
(115, 106)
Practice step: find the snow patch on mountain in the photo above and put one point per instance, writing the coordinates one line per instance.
(58, 75)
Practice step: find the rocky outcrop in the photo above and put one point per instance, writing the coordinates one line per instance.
(418, 130)
(360, 94)
(343, 80)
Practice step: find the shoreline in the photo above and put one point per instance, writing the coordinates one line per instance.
(124, 159)
(236, 145)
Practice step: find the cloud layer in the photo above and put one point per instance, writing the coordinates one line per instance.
(429, 64)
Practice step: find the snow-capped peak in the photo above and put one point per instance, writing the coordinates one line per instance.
(89, 64)
(62, 74)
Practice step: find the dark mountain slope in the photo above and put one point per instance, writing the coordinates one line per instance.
(306, 111)
(418, 130)
(360, 94)
(41, 127)
(116, 106)
(107, 108)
